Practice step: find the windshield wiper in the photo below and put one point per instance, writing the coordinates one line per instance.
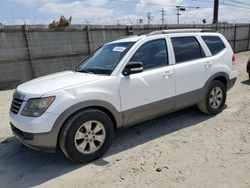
(85, 71)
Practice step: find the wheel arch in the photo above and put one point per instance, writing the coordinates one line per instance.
(103, 106)
(221, 76)
(223, 79)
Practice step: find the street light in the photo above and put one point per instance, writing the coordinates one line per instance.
(181, 8)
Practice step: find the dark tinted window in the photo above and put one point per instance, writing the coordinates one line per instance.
(186, 48)
(152, 54)
(214, 44)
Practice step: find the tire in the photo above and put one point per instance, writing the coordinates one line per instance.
(84, 129)
(212, 104)
(249, 76)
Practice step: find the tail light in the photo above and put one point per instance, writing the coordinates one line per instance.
(233, 59)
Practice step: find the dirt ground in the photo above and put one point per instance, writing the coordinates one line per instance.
(182, 149)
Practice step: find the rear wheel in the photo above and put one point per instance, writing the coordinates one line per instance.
(87, 135)
(214, 101)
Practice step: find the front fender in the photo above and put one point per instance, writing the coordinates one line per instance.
(87, 104)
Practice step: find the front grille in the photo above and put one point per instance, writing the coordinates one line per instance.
(16, 105)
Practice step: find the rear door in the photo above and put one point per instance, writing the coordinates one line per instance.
(192, 69)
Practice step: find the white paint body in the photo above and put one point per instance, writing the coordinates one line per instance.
(123, 92)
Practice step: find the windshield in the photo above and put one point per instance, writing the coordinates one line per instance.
(105, 59)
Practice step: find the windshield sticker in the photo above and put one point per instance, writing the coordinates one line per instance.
(118, 49)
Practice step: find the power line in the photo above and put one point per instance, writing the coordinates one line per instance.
(204, 1)
(142, 3)
(227, 4)
(178, 8)
(133, 2)
(240, 2)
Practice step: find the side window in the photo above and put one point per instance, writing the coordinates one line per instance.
(186, 48)
(214, 43)
(152, 54)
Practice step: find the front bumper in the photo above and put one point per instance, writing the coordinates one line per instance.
(40, 141)
(41, 124)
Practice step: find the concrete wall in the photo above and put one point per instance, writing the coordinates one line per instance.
(28, 52)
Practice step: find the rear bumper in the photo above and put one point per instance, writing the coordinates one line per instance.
(231, 83)
(40, 141)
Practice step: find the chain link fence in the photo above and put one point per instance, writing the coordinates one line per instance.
(31, 51)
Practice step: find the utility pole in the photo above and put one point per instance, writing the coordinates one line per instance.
(149, 17)
(216, 10)
(163, 14)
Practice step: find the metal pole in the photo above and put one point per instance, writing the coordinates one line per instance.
(25, 34)
(88, 38)
(216, 10)
(178, 14)
(248, 42)
(235, 33)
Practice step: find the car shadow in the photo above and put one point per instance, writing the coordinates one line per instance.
(24, 167)
(246, 82)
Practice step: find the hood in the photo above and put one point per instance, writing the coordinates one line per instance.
(45, 84)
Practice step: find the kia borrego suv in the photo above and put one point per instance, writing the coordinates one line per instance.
(122, 83)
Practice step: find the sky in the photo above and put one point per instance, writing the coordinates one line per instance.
(125, 12)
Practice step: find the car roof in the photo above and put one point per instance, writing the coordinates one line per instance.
(131, 38)
(135, 38)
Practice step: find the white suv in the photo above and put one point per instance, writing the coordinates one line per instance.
(122, 83)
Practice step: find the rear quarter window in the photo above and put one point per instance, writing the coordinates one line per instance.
(186, 49)
(214, 44)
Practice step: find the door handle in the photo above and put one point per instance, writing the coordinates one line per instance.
(208, 63)
(167, 74)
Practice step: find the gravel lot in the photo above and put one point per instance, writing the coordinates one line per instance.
(182, 149)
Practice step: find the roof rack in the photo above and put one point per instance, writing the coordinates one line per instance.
(128, 36)
(179, 31)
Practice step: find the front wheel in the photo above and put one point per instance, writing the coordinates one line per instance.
(87, 135)
(214, 101)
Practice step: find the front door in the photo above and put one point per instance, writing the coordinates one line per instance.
(149, 93)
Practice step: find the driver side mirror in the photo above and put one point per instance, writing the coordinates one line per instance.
(132, 68)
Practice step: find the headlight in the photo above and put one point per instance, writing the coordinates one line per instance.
(36, 107)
